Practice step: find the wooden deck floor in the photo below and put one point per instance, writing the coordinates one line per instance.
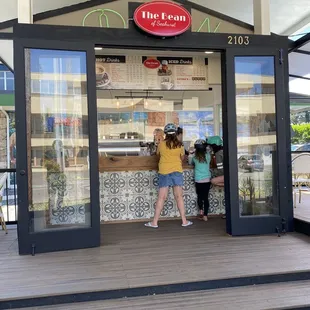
(271, 296)
(134, 256)
(302, 210)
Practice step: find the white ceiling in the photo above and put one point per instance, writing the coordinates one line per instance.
(284, 13)
(9, 7)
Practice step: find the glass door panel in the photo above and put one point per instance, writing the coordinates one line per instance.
(58, 126)
(57, 161)
(256, 135)
(256, 141)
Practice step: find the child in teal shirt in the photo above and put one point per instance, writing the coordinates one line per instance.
(201, 161)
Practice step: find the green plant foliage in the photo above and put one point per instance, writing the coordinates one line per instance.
(302, 133)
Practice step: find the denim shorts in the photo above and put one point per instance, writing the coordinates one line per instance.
(171, 179)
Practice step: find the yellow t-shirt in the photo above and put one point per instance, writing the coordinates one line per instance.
(170, 159)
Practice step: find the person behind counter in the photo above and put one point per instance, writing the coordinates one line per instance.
(170, 174)
(159, 136)
(216, 144)
(201, 160)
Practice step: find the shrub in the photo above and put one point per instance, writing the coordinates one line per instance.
(302, 133)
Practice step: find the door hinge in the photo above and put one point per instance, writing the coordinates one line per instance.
(281, 60)
(33, 249)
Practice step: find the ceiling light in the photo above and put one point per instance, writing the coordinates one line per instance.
(209, 52)
(98, 48)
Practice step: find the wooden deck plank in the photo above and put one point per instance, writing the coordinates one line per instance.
(302, 210)
(271, 296)
(134, 256)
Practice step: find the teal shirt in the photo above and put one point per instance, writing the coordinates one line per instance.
(202, 170)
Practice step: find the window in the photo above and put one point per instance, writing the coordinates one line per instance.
(59, 87)
(6, 81)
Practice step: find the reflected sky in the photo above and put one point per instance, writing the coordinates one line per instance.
(58, 61)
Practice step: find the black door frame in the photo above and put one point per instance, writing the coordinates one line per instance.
(58, 239)
(269, 223)
(87, 38)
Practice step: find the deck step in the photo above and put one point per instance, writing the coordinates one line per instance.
(289, 295)
(136, 262)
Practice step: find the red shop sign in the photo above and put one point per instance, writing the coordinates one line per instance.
(151, 63)
(162, 18)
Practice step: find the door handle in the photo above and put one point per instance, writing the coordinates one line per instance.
(22, 172)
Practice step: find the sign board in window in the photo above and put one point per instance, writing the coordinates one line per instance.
(157, 73)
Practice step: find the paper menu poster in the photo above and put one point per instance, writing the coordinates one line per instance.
(157, 73)
(119, 72)
(178, 73)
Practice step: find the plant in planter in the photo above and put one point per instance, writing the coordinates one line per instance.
(247, 192)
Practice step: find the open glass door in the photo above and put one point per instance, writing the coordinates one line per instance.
(57, 146)
(258, 128)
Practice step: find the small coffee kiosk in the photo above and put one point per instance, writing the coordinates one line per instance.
(94, 83)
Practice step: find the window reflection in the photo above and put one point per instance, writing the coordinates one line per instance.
(256, 135)
(6, 79)
(58, 128)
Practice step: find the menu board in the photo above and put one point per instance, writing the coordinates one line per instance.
(157, 73)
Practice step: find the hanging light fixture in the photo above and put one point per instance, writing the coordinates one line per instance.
(146, 103)
(159, 103)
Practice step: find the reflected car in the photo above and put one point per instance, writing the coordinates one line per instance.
(303, 148)
(294, 147)
(251, 162)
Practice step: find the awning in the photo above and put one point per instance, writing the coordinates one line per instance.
(299, 67)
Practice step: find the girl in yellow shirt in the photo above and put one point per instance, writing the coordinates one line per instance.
(170, 174)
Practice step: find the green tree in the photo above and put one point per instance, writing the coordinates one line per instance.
(302, 133)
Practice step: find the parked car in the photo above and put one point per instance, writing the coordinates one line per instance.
(251, 162)
(303, 148)
(294, 147)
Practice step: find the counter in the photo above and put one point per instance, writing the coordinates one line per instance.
(131, 163)
(129, 185)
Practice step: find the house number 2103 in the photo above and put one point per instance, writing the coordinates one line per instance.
(238, 40)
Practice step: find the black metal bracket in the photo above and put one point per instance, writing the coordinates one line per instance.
(33, 249)
(281, 59)
(283, 230)
(283, 226)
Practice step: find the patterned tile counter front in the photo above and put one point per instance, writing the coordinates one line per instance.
(132, 195)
